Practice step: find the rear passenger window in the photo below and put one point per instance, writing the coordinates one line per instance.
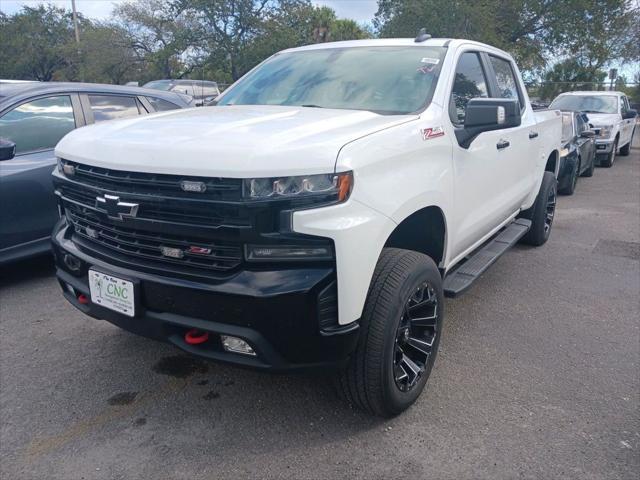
(111, 107)
(506, 79)
(39, 124)
(160, 105)
(470, 82)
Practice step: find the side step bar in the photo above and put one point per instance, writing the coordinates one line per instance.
(462, 277)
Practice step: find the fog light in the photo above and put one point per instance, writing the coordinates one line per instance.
(71, 262)
(236, 345)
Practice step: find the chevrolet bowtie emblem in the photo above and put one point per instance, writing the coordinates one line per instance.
(114, 208)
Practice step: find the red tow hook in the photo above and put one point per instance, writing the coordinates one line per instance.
(83, 299)
(196, 337)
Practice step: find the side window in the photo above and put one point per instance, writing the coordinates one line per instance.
(160, 105)
(39, 124)
(624, 105)
(111, 107)
(469, 82)
(506, 79)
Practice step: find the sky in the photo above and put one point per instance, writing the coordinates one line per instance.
(359, 10)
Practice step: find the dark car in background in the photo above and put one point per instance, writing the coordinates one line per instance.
(34, 116)
(578, 154)
(202, 91)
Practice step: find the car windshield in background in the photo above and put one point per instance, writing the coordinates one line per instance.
(586, 103)
(158, 85)
(386, 80)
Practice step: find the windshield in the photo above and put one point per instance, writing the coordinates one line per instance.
(567, 127)
(158, 85)
(386, 80)
(586, 103)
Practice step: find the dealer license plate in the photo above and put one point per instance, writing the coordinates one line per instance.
(112, 292)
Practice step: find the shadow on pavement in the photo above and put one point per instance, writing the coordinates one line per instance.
(25, 270)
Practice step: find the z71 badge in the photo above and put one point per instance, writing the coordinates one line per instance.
(429, 133)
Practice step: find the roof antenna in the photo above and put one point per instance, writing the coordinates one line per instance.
(422, 36)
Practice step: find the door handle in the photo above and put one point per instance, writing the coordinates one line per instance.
(533, 135)
(502, 144)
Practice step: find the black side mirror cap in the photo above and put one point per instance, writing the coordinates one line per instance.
(7, 149)
(487, 114)
(631, 113)
(588, 134)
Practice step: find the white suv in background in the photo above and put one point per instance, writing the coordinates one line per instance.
(611, 116)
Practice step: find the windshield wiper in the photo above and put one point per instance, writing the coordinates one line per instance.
(311, 105)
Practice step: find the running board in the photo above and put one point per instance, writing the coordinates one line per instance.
(462, 277)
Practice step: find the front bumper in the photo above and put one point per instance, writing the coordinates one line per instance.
(281, 313)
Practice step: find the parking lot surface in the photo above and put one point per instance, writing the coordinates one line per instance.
(537, 377)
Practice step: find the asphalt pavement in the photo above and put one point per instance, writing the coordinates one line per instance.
(537, 377)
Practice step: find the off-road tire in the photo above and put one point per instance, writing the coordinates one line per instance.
(540, 229)
(369, 380)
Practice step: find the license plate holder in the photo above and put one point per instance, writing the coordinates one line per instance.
(112, 292)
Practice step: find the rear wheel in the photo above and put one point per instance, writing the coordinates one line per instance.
(589, 171)
(624, 151)
(542, 212)
(400, 332)
(573, 180)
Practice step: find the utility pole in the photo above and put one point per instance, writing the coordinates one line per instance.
(75, 22)
(75, 27)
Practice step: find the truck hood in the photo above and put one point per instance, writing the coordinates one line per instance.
(602, 119)
(227, 141)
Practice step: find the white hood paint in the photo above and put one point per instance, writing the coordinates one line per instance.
(604, 119)
(227, 141)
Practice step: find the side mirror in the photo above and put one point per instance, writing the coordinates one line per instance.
(631, 113)
(7, 149)
(487, 114)
(588, 134)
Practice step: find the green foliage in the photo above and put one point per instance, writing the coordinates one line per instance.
(35, 42)
(571, 75)
(536, 32)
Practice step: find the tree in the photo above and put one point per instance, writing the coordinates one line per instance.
(536, 32)
(160, 34)
(35, 42)
(570, 75)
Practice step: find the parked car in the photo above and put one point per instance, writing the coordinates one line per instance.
(312, 224)
(33, 118)
(202, 91)
(578, 154)
(609, 112)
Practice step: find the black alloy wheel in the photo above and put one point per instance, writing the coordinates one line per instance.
(415, 337)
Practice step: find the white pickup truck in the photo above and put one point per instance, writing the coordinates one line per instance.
(318, 215)
(612, 117)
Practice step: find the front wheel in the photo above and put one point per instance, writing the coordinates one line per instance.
(608, 162)
(400, 332)
(542, 212)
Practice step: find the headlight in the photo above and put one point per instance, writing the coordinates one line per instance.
(330, 185)
(606, 131)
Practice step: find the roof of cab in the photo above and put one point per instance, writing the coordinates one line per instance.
(593, 92)
(397, 42)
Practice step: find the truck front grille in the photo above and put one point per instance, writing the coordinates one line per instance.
(156, 249)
